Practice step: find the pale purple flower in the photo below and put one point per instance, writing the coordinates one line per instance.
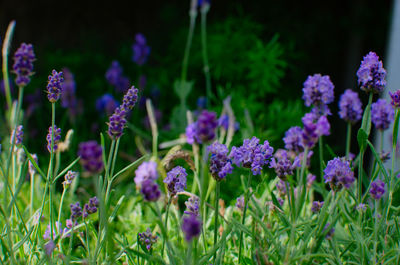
(203, 130)
(240, 203)
(281, 188)
(49, 247)
(314, 127)
(382, 114)
(18, 135)
(146, 170)
(90, 153)
(371, 74)
(350, 107)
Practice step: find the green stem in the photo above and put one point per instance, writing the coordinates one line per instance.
(166, 224)
(216, 213)
(61, 204)
(204, 11)
(321, 157)
(32, 192)
(376, 230)
(50, 170)
(246, 200)
(6, 46)
(348, 140)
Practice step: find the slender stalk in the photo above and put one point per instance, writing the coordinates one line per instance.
(32, 192)
(6, 46)
(204, 10)
(246, 201)
(348, 140)
(321, 157)
(153, 125)
(166, 224)
(376, 230)
(50, 170)
(61, 204)
(216, 213)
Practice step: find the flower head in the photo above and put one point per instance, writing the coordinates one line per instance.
(240, 203)
(314, 127)
(90, 207)
(338, 173)
(146, 171)
(147, 238)
(176, 180)
(395, 98)
(68, 97)
(49, 247)
(252, 154)
(191, 226)
(283, 166)
(316, 206)
(115, 77)
(57, 138)
(18, 135)
(377, 189)
(203, 130)
(382, 114)
(223, 122)
(91, 156)
(150, 190)
(220, 165)
(23, 64)
(54, 86)
(350, 106)
(318, 90)
(57, 229)
(76, 211)
(281, 187)
(371, 74)
(130, 99)
(117, 123)
(69, 177)
(140, 49)
(310, 180)
(293, 139)
(106, 104)
(31, 167)
(192, 205)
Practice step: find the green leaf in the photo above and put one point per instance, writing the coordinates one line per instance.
(129, 166)
(34, 163)
(362, 138)
(66, 169)
(381, 167)
(396, 128)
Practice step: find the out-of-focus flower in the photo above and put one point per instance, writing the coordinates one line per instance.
(382, 114)
(31, 167)
(91, 156)
(395, 98)
(223, 122)
(115, 77)
(17, 135)
(293, 139)
(76, 211)
(316, 206)
(330, 233)
(283, 166)
(106, 104)
(150, 190)
(68, 97)
(203, 130)
(371, 74)
(146, 171)
(191, 226)
(240, 203)
(23, 64)
(314, 128)
(140, 50)
(350, 107)
(49, 247)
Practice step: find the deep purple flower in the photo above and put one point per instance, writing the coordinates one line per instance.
(395, 98)
(382, 114)
(76, 211)
(176, 180)
(191, 226)
(338, 173)
(283, 166)
(54, 86)
(17, 135)
(49, 247)
(240, 203)
(146, 171)
(117, 123)
(316, 206)
(140, 49)
(281, 188)
(106, 104)
(314, 128)
(192, 206)
(318, 90)
(68, 97)
(147, 239)
(69, 177)
(377, 189)
(203, 130)
(293, 139)
(57, 138)
(252, 154)
(91, 156)
(150, 190)
(371, 74)
(130, 99)
(90, 207)
(115, 77)
(23, 64)
(350, 107)
(330, 233)
(220, 165)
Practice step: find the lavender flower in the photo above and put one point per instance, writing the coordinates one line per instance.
(56, 138)
(314, 128)
(31, 167)
(17, 135)
(90, 207)
(69, 177)
(350, 106)
(140, 50)
(338, 173)
(283, 166)
(146, 171)
(76, 211)
(147, 239)
(240, 203)
(192, 206)
(176, 180)
(54, 86)
(130, 99)
(23, 64)
(115, 77)
(191, 226)
(91, 156)
(281, 188)
(330, 233)
(316, 206)
(377, 189)
(395, 98)
(68, 97)
(117, 123)
(220, 165)
(49, 247)
(293, 139)
(371, 74)
(310, 180)
(318, 90)
(382, 114)
(150, 190)
(252, 154)
(106, 104)
(203, 130)
(56, 230)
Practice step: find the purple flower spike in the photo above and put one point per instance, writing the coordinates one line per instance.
(147, 239)
(377, 189)
(350, 106)
(395, 98)
(176, 180)
(23, 64)
(49, 247)
(191, 226)
(146, 171)
(382, 114)
(140, 50)
(69, 177)
(314, 128)
(115, 77)
(283, 166)
(130, 99)
(220, 165)
(90, 207)
(252, 154)
(192, 206)
(339, 174)
(203, 130)
(117, 123)
(18, 135)
(316, 206)
(318, 90)
(150, 190)
(293, 139)
(76, 211)
(68, 97)
(57, 138)
(91, 156)
(54, 86)
(106, 104)
(371, 74)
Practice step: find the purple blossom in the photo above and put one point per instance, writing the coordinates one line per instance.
(106, 104)
(117, 123)
(192, 205)
(56, 138)
(338, 173)
(56, 230)
(130, 99)
(23, 64)
(283, 166)
(240, 203)
(293, 139)
(223, 122)
(150, 190)
(147, 239)
(220, 165)
(310, 180)
(377, 189)
(91, 156)
(203, 130)
(316, 206)
(90, 207)
(382, 114)
(371, 74)
(252, 154)
(281, 188)
(314, 128)
(318, 90)
(176, 180)
(49, 247)
(350, 106)
(54, 86)
(191, 226)
(17, 135)
(395, 98)
(140, 50)
(115, 77)
(31, 167)
(68, 97)
(76, 210)
(69, 177)
(146, 171)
